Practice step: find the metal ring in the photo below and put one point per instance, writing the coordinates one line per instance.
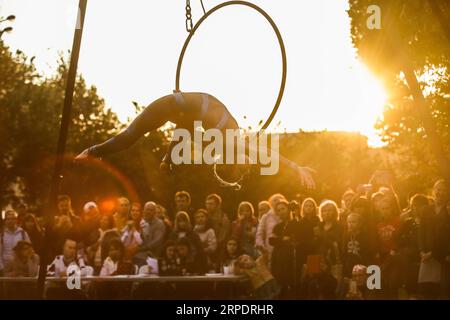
(280, 41)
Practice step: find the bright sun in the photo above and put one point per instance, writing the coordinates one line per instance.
(370, 97)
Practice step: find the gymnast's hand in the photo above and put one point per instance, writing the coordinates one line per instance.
(306, 178)
(82, 156)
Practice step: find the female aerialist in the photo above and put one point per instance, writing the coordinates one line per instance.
(181, 109)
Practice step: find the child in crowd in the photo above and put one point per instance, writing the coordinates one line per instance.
(318, 282)
(264, 285)
(189, 263)
(356, 248)
(355, 288)
(168, 264)
(115, 264)
(229, 256)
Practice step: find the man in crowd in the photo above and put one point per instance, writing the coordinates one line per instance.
(183, 203)
(432, 233)
(122, 214)
(153, 235)
(9, 237)
(65, 209)
(69, 257)
(60, 267)
(219, 219)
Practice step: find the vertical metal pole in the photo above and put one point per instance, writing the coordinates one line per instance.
(61, 147)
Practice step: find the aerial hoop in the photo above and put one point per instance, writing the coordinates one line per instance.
(280, 41)
(237, 184)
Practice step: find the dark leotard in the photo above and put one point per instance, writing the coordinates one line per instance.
(172, 108)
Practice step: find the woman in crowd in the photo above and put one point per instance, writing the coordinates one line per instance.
(206, 234)
(34, 231)
(244, 228)
(284, 239)
(99, 241)
(308, 230)
(183, 231)
(346, 202)
(131, 239)
(330, 236)
(263, 208)
(265, 227)
(162, 214)
(387, 247)
(136, 216)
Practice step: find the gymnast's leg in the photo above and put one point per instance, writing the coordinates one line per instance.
(153, 117)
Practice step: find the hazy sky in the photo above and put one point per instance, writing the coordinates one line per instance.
(130, 51)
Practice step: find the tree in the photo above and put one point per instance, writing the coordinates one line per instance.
(29, 119)
(411, 46)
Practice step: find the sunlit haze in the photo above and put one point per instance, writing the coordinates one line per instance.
(130, 50)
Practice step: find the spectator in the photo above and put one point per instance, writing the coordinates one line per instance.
(356, 248)
(206, 234)
(115, 264)
(284, 239)
(99, 241)
(433, 243)
(90, 219)
(408, 241)
(329, 237)
(387, 245)
(294, 207)
(183, 203)
(264, 285)
(122, 214)
(244, 228)
(131, 239)
(25, 262)
(265, 227)
(65, 209)
(190, 264)
(346, 202)
(161, 213)
(321, 285)
(62, 230)
(34, 231)
(69, 257)
(229, 255)
(308, 230)
(9, 237)
(22, 210)
(263, 208)
(355, 288)
(168, 264)
(136, 216)
(183, 229)
(153, 235)
(219, 219)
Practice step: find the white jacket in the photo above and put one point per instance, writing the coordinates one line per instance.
(265, 229)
